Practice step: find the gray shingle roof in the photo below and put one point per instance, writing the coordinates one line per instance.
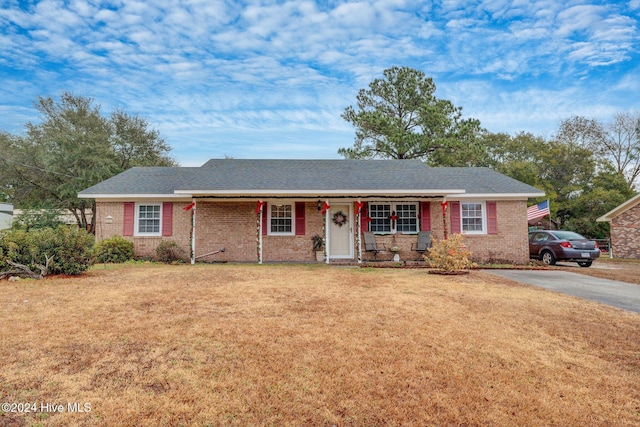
(226, 176)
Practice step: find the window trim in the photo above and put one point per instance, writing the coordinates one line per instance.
(394, 227)
(270, 206)
(483, 216)
(136, 220)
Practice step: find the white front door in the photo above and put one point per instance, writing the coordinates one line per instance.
(341, 236)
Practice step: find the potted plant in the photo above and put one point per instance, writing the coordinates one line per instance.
(395, 249)
(318, 247)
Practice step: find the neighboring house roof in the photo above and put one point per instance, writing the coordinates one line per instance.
(311, 178)
(629, 204)
(66, 216)
(6, 208)
(6, 216)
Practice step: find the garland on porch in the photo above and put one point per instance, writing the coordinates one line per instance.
(191, 207)
(444, 218)
(339, 218)
(258, 221)
(192, 254)
(358, 249)
(259, 213)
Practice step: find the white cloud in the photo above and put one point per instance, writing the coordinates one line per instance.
(210, 71)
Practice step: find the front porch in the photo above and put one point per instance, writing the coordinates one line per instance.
(283, 230)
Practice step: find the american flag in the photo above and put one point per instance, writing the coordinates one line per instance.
(538, 211)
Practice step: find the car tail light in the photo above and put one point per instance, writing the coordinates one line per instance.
(565, 244)
(596, 243)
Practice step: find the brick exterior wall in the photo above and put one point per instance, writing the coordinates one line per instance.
(625, 234)
(510, 244)
(143, 246)
(232, 225)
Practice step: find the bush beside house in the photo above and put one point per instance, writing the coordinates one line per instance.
(70, 248)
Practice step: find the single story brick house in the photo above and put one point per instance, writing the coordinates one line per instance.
(269, 210)
(624, 228)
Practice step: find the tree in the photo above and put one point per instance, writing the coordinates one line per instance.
(6, 147)
(623, 145)
(519, 157)
(608, 190)
(580, 185)
(579, 130)
(618, 141)
(73, 148)
(399, 117)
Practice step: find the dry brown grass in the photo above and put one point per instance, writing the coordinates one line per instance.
(313, 345)
(626, 270)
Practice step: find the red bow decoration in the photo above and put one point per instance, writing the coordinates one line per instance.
(358, 207)
(325, 208)
(444, 218)
(189, 207)
(259, 206)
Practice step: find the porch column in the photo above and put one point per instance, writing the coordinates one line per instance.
(259, 214)
(358, 231)
(193, 231)
(444, 205)
(325, 211)
(193, 235)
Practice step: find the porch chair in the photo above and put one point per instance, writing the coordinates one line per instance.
(423, 244)
(370, 244)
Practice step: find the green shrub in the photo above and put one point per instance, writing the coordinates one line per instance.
(168, 251)
(449, 255)
(70, 247)
(115, 249)
(38, 218)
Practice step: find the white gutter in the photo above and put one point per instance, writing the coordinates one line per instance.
(315, 193)
(118, 197)
(494, 196)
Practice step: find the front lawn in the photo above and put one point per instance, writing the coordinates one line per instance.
(151, 345)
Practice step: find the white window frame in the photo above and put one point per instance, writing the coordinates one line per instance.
(394, 224)
(137, 231)
(483, 216)
(416, 218)
(292, 206)
(391, 230)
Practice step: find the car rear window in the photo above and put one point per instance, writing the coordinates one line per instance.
(568, 235)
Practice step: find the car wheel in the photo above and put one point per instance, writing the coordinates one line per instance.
(585, 263)
(548, 258)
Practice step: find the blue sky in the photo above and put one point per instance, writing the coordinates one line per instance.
(270, 79)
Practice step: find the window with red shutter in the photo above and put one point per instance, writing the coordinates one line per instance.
(128, 219)
(425, 216)
(454, 214)
(265, 219)
(167, 219)
(300, 219)
(492, 218)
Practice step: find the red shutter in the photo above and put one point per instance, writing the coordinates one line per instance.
(300, 219)
(364, 216)
(454, 214)
(128, 218)
(492, 218)
(167, 218)
(425, 216)
(265, 222)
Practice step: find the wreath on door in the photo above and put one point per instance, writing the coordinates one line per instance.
(339, 218)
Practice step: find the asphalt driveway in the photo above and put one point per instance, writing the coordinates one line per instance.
(617, 294)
